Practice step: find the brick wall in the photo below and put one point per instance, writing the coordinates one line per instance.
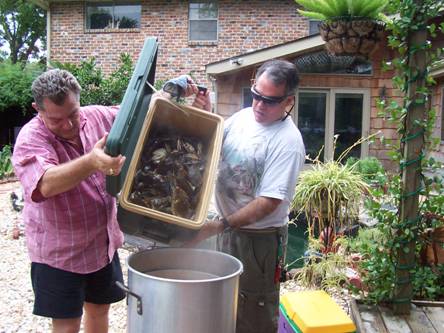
(243, 26)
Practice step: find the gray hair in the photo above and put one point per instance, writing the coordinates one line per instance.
(280, 72)
(54, 84)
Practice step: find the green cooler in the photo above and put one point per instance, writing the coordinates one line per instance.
(138, 118)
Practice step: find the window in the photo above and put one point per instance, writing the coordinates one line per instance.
(323, 113)
(311, 120)
(313, 27)
(247, 99)
(113, 15)
(203, 21)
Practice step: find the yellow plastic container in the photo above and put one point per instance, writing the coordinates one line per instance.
(184, 120)
(316, 312)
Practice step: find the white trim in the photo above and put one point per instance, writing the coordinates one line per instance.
(42, 4)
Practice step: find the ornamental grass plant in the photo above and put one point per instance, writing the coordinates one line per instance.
(329, 10)
(329, 194)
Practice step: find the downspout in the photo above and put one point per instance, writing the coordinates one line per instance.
(48, 36)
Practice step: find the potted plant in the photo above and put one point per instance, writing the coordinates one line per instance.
(329, 195)
(349, 27)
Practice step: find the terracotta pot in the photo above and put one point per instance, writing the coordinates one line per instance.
(358, 37)
(435, 247)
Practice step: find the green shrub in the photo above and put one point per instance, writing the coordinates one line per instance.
(325, 10)
(96, 88)
(370, 168)
(366, 239)
(15, 86)
(427, 283)
(5, 162)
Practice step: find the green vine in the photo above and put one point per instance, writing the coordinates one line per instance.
(384, 263)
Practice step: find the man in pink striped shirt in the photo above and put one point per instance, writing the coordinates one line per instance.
(72, 232)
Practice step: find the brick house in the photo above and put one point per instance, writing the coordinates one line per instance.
(222, 42)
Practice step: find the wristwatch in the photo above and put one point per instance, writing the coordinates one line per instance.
(224, 222)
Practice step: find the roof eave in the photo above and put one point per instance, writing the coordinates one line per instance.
(41, 3)
(246, 60)
(437, 69)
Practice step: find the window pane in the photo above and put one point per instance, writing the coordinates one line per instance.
(311, 121)
(203, 30)
(313, 27)
(247, 100)
(127, 16)
(202, 11)
(348, 123)
(99, 17)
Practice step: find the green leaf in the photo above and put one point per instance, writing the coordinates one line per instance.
(312, 15)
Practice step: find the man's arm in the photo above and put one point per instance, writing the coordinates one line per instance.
(252, 212)
(64, 177)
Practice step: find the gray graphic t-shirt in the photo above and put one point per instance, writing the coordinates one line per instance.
(258, 160)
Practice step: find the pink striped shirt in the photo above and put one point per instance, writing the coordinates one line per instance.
(77, 230)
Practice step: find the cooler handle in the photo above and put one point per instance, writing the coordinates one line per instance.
(129, 292)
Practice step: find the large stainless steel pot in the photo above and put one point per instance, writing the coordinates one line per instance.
(182, 290)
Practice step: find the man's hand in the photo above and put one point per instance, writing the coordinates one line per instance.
(202, 99)
(103, 162)
(210, 228)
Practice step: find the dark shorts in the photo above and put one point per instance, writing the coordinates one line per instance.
(61, 294)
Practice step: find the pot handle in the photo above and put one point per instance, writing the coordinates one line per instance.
(129, 292)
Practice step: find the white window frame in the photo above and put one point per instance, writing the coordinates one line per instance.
(329, 115)
(215, 19)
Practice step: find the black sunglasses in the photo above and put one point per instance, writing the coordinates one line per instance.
(269, 100)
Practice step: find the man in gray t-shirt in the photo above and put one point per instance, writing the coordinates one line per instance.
(262, 155)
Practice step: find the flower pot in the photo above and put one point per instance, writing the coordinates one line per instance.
(435, 246)
(358, 37)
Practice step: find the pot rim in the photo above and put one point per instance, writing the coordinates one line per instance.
(237, 272)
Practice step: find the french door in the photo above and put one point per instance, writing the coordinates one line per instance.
(323, 114)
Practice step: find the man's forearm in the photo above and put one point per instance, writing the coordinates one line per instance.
(254, 211)
(64, 177)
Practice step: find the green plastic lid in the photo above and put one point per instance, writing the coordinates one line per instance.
(127, 126)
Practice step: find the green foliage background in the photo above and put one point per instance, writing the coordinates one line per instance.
(96, 88)
(15, 86)
(22, 28)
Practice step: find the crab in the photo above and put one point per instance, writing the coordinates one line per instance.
(169, 175)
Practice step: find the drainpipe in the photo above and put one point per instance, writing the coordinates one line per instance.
(48, 36)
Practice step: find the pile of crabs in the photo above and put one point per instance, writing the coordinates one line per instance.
(169, 175)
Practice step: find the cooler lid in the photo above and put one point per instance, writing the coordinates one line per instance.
(126, 128)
